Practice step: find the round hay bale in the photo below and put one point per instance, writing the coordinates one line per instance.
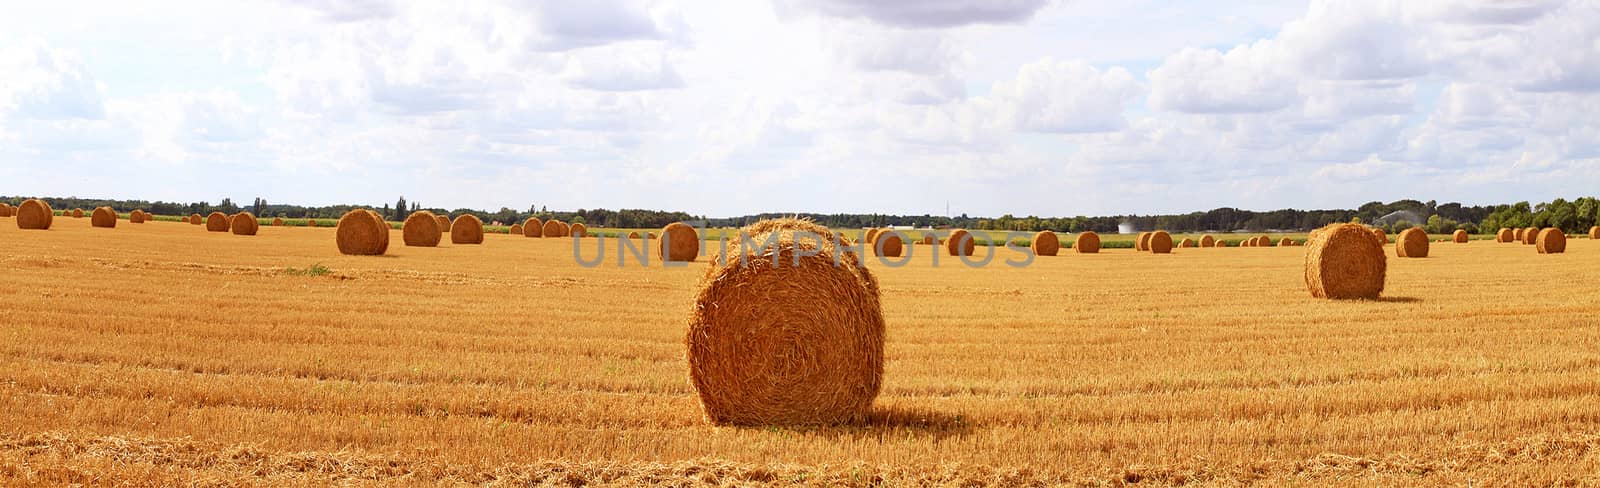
(5, 209)
(1411, 243)
(277, 221)
(516, 229)
(444, 223)
(1530, 236)
(1247, 242)
(195, 219)
(466, 229)
(633, 235)
(960, 243)
(1518, 234)
(216, 222)
(786, 344)
(244, 224)
(362, 232)
(136, 216)
(1504, 235)
(1263, 241)
(313, 223)
(554, 228)
(1208, 241)
(34, 214)
(1088, 242)
(1143, 242)
(1286, 242)
(887, 244)
(579, 230)
(1187, 242)
(1460, 236)
(1345, 261)
(871, 235)
(1382, 236)
(680, 243)
(77, 213)
(1160, 242)
(532, 228)
(1219, 243)
(1594, 232)
(928, 240)
(1552, 241)
(421, 229)
(1045, 243)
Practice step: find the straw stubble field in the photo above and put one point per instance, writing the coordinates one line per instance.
(162, 353)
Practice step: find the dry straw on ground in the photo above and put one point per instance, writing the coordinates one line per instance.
(1411, 243)
(1087, 242)
(1142, 242)
(217, 222)
(679, 242)
(1460, 236)
(1552, 241)
(532, 228)
(1504, 235)
(1208, 241)
(34, 215)
(421, 229)
(467, 229)
(888, 244)
(579, 230)
(103, 217)
(960, 243)
(1530, 235)
(786, 344)
(1045, 243)
(554, 228)
(1160, 242)
(244, 224)
(1345, 261)
(362, 232)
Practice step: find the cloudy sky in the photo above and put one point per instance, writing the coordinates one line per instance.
(725, 108)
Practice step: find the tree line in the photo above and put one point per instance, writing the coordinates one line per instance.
(1574, 216)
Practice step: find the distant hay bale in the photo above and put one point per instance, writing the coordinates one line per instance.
(1263, 241)
(34, 214)
(1594, 232)
(786, 344)
(362, 232)
(1518, 236)
(516, 229)
(217, 222)
(1460, 236)
(1504, 235)
(554, 228)
(1345, 261)
(1382, 236)
(1411, 243)
(1552, 241)
(1187, 242)
(77, 213)
(277, 221)
(532, 228)
(888, 244)
(1247, 242)
(579, 230)
(1208, 241)
(1087, 242)
(633, 235)
(421, 229)
(444, 223)
(679, 243)
(466, 229)
(1142, 243)
(136, 216)
(928, 240)
(1219, 243)
(960, 243)
(5, 209)
(196, 219)
(1045, 243)
(1286, 242)
(1160, 242)
(871, 235)
(1530, 236)
(244, 224)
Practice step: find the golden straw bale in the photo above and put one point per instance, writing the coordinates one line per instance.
(1552, 241)
(532, 228)
(1412, 243)
(103, 217)
(1142, 243)
(960, 243)
(362, 232)
(421, 229)
(34, 214)
(217, 222)
(578, 230)
(1345, 261)
(466, 229)
(680, 243)
(1087, 242)
(1045, 243)
(888, 244)
(244, 224)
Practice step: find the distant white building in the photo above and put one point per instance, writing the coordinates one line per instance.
(1126, 228)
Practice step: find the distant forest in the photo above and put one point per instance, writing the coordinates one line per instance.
(1575, 216)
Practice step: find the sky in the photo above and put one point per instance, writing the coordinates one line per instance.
(724, 108)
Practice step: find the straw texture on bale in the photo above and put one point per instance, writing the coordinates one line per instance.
(633, 235)
(871, 235)
(1382, 236)
(554, 228)
(1187, 242)
(277, 221)
(1518, 236)
(244, 224)
(5, 209)
(1087, 243)
(444, 223)
(786, 344)
(960, 243)
(1411, 243)
(103, 217)
(1160, 242)
(680, 243)
(421, 229)
(579, 230)
(467, 229)
(1345, 261)
(1045, 243)
(516, 229)
(1530, 236)
(927, 240)
(362, 232)
(196, 219)
(1264, 241)
(136, 216)
(1594, 232)
(1286, 242)
(1504, 235)
(1142, 243)
(1460, 236)
(34, 215)
(217, 222)
(887, 244)
(313, 223)
(532, 228)
(1552, 241)
(77, 213)
(1219, 243)
(1247, 242)
(1208, 241)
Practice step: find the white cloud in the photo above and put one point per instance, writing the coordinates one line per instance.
(925, 14)
(37, 82)
(1067, 96)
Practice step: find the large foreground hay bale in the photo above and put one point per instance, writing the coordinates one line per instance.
(362, 232)
(1045, 243)
(444, 223)
(1160, 242)
(1460, 236)
(1504, 235)
(1412, 243)
(1552, 241)
(786, 344)
(421, 229)
(466, 229)
(960, 243)
(1142, 243)
(103, 217)
(516, 230)
(217, 222)
(887, 244)
(532, 228)
(1087, 242)
(554, 228)
(578, 230)
(1345, 261)
(244, 224)
(1208, 241)
(34, 214)
(680, 242)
